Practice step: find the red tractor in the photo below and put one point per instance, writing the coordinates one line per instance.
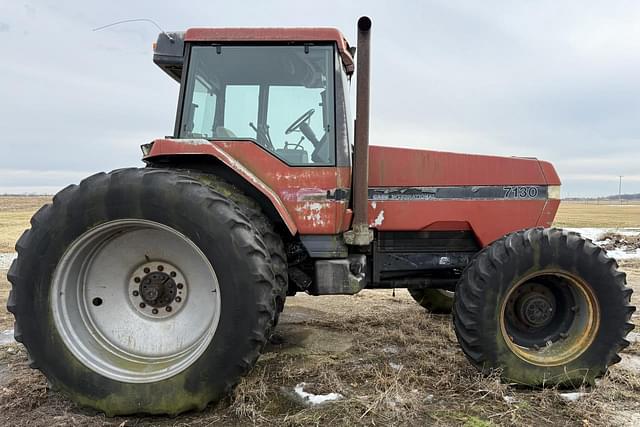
(153, 290)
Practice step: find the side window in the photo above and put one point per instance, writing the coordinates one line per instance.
(241, 108)
(200, 112)
(310, 144)
(204, 109)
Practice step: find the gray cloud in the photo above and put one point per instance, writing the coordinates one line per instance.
(552, 80)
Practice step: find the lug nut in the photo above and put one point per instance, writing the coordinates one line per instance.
(160, 268)
(136, 293)
(146, 270)
(137, 280)
(168, 308)
(180, 285)
(172, 274)
(154, 311)
(178, 299)
(142, 305)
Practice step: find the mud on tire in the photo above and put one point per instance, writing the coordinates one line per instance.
(215, 225)
(545, 306)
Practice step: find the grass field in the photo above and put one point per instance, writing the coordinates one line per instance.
(15, 213)
(394, 363)
(591, 214)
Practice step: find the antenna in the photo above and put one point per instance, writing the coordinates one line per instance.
(125, 21)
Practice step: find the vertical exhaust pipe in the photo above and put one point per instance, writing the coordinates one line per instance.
(360, 234)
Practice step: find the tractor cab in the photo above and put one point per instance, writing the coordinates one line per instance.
(281, 96)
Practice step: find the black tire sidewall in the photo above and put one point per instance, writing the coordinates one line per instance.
(220, 232)
(577, 258)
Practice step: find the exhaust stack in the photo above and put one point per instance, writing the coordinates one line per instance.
(360, 234)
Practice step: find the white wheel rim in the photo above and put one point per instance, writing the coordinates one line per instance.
(103, 322)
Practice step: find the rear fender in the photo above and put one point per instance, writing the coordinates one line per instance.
(175, 149)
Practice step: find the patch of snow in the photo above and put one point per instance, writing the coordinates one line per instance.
(623, 254)
(620, 249)
(633, 337)
(6, 337)
(390, 349)
(6, 260)
(573, 396)
(395, 366)
(630, 362)
(315, 399)
(509, 399)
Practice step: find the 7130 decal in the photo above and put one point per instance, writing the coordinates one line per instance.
(520, 192)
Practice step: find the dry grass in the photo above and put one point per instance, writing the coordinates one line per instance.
(592, 214)
(347, 345)
(15, 213)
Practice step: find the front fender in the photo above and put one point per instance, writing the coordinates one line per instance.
(173, 147)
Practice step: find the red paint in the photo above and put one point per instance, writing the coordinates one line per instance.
(489, 219)
(405, 167)
(299, 194)
(264, 35)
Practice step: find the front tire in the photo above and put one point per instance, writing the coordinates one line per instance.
(96, 290)
(545, 307)
(437, 301)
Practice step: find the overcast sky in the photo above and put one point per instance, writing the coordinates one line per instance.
(557, 80)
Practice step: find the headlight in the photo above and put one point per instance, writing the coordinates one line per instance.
(553, 192)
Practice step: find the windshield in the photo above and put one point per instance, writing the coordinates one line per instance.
(281, 97)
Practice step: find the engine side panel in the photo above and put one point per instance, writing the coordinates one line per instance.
(413, 190)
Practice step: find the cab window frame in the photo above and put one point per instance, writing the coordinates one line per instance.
(332, 85)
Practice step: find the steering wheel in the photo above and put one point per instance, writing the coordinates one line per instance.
(300, 120)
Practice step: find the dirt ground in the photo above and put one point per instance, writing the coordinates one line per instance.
(393, 363)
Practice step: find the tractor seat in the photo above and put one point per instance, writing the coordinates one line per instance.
(293, 157)
(223, 132)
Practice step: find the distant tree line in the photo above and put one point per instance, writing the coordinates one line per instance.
(627, 197)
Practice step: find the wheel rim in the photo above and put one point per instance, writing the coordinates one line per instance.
(549, 318)
(135, 301)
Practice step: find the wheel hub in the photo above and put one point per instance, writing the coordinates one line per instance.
(157, 289)
(535, 310)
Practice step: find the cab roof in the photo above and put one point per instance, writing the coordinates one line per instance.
(276, 35)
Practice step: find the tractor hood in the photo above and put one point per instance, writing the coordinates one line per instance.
(404, 167)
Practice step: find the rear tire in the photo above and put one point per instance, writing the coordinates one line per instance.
(438, 301)
(545, 307)
(271, 238)
(141, 200)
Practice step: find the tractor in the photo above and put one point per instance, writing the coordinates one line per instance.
(154, 289)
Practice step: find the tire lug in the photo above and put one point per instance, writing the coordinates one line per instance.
(136, 293)
(172, 274)
(180, 285)
(154, 311)
(178, 299)
(137, 280)
(168, 308)
(142, 305)
(146, 270)
(160, 267)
